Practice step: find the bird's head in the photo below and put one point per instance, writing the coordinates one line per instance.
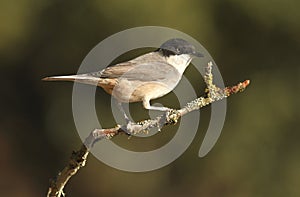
(178, 46)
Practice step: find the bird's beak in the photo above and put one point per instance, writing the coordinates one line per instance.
(197, 54)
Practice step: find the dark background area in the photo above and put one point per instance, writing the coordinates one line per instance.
(257, 153)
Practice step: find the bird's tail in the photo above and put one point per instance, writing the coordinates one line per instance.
(83, 78)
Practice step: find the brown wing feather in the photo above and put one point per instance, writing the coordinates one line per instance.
(120, 69)
(117, 70)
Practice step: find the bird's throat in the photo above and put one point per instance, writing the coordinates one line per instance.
(180, 62)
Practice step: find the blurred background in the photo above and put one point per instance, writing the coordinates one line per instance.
(257, 153)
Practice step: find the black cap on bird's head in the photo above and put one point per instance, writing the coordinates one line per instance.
(178, 46)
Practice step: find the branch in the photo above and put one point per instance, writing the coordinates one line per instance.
(78, 158)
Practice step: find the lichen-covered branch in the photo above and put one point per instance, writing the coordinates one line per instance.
(78, 158)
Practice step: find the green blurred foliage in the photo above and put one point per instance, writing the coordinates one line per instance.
(258, 151)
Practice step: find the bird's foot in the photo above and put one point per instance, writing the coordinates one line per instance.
(172, 116)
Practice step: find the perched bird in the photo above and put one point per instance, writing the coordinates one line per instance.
(143, 78)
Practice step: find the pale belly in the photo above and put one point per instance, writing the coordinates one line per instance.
(135, 91)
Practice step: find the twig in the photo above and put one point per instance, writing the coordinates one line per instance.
(78, 158)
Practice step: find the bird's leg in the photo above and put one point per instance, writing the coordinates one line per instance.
(171, 115)
(131, 127)
(124, 113)
(146, 104)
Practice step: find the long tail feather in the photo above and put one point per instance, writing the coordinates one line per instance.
(84, 78)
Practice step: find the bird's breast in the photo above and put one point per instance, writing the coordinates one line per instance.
(135, 91)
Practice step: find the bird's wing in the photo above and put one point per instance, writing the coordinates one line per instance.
(115, 71)
(133, 70)
(152, 71)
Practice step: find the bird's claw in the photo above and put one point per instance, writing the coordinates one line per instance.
(172, 116)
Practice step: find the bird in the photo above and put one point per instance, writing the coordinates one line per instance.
(144, 78)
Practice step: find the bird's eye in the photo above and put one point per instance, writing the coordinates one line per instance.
(178, 50)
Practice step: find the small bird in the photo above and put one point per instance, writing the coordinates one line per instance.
(143, 78)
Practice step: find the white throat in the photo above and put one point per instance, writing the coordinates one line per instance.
(180, 62)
